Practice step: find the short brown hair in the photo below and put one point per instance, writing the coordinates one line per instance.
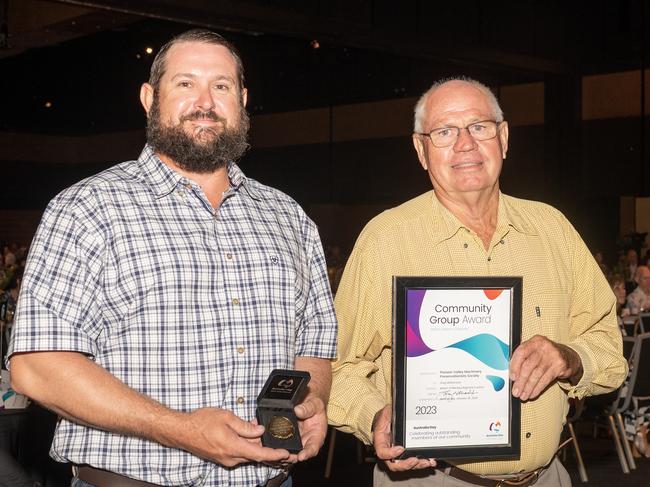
(195, 35)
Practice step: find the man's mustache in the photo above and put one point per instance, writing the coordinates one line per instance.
(201, 115)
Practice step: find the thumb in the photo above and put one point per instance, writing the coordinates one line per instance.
(245, 429)
(308, 408)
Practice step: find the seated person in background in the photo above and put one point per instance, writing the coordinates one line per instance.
(639, 299)
(617, 283)
(630, 268)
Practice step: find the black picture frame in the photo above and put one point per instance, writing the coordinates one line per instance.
(510, 448)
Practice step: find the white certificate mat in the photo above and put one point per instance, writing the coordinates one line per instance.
(453, 341)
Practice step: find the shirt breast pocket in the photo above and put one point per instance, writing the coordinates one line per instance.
(547, 315)
(273, 280)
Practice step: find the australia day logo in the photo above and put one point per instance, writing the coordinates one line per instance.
(495, 427)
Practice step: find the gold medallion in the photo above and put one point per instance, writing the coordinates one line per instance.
(281, 427)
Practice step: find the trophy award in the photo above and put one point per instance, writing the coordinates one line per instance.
(283, 390)
(452, 342)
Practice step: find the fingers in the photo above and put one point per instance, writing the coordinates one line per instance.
(309, 450)
(412, 463)
(313, 427)
(385, 450)
(247, 451)
(534, 365)
(245, 429)
(229, 440)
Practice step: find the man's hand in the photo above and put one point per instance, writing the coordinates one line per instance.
(220, 436)
(78, 389)
(312, 421)
(381, 439)
(538, 362)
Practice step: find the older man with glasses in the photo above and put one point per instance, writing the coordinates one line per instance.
(571, 345)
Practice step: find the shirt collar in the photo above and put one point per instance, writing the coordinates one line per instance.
(162, 179)
(509, 215)
(446, 224)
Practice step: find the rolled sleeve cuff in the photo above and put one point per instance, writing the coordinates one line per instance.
(358, 422)
(581, 389)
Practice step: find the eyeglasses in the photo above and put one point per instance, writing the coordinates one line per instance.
(446, 136)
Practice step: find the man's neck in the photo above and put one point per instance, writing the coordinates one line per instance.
(213, 184)
(477, 210)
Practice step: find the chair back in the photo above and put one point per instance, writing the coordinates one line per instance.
(613, 401)
(642, 370)
(644, 322)
(628, 348)
(638, 384)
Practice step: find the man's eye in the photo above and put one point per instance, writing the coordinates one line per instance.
(443, 132)
(222, 87)
(184, 84)
(477, 128)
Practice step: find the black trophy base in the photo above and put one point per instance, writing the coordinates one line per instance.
(281, 392)
(280, 429)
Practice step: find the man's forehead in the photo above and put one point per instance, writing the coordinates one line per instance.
(193, 53)
(458, 99)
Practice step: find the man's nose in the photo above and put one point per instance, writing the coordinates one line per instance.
(464, 141)
(204, 100)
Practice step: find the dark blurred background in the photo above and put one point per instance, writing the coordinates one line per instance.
(332, 87)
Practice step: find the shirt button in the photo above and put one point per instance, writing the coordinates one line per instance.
(235, 301)
(240, 350)
(489, 259)
(229, 256)
(240, 400)
(528, 435)
(502, 242)
(465, 245)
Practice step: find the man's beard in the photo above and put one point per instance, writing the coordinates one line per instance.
(190, 155)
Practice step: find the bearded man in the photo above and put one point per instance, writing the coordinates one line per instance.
(160, 293)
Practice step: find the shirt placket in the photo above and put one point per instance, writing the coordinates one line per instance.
(233, 262)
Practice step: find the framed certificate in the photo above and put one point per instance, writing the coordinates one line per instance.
(452, 342)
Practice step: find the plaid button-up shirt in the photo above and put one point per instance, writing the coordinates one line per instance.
(189, 305)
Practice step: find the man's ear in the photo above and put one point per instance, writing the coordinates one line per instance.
(146, 96)
(419, 148)
(503, 137)
(244, 96)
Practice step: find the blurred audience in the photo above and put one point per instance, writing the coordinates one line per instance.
(617, 283)
(12, 472)
(639, 299)
(629, 269)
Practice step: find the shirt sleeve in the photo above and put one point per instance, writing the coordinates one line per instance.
(59, 304)
(361, 374)
(317, 325)
(594, 331)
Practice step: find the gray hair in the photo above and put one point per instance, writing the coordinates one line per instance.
(194, 35)
(420, 106)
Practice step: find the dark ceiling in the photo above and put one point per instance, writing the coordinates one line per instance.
(75, 67)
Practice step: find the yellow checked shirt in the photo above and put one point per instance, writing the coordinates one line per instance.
(532, 240)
